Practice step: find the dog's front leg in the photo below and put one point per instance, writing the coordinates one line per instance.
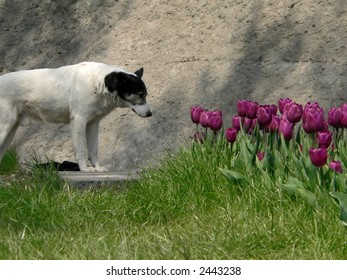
(78, 133)
(92, 143)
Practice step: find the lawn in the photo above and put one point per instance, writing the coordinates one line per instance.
(185, 209)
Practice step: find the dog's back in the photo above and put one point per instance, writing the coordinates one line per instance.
(46, 94)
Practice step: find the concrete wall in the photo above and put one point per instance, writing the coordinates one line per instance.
(208, 53)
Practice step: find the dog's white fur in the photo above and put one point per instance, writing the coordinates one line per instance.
(74, 94)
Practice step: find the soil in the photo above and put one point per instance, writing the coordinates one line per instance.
(208, 53)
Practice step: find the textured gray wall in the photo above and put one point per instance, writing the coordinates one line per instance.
(208, 53)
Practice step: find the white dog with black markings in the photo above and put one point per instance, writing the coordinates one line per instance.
(80, 94)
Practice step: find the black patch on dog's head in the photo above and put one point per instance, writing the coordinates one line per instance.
(111, 81)
(126, 83)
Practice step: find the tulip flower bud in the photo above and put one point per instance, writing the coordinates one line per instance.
(261, 155)
(216, 120)
(242, 107)
(282, 102)
(251, 109)
(204, 119)
(195, 113)
(199, 137)
(318, 156)
(273, 109)
(313, 118)
(334, 117)
(231, 134)
(275, 123)
(344, 115)
(236, 122)
(336, 166)
(264, 115)
(287, 129)
(294, 112)
(324, 139)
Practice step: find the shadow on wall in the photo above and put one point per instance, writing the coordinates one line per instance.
(297, 55)
(37, 34)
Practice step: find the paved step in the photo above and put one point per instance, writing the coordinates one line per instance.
(86, 178)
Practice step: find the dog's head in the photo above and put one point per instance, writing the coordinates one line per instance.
(131, 90)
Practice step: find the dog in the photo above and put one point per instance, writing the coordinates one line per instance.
(80, 94)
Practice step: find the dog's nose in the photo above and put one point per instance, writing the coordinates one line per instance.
(149, 114)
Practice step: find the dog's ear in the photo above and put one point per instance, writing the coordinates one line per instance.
(139, 73)
(111, 81)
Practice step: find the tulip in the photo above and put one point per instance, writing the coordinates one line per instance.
(318, 156)
(334, 117)
(216, 120)
(236, 122)
(195, 113)
(204, 119)
(282, 102)
(293, 112)
(251, 109)
(242, 107)
(260, 155)
(264, 115)
(286, 128)
(275, 123)
(336, 166)
(344, 116)
(324, 139)
(273, 109)
(249, 125)
(313, 118)
(231, 134)
(199, 137)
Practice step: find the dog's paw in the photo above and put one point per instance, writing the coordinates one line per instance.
(94, 169)
(100, 169)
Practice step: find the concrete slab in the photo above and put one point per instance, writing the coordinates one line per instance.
(86, 178)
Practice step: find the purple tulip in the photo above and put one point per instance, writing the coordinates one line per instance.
(204, 119)
(274, 125)
(336, 166)
(334, 117)
(236, 122)
(216, 120)
(286, 128)
(242, 107)
(344, 115)
(293, 111)
(313, 118)
(195, 114)
(199, 137)
(282, 102)
(264, 115)
(249, 125)
(261, 155)
(318, 156)
(251, 109)
(231, 134)
(324, 139)
(273, 109)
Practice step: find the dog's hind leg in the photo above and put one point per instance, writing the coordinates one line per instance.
(92, 134)
(8, 140)
(8, 125)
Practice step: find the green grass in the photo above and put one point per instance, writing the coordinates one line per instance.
(185, 209)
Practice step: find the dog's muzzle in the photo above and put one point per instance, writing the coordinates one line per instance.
(142, 110)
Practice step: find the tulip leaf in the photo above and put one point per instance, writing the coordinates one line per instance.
(295, 186)
(247, 154)
(342, 198)
(232, 175)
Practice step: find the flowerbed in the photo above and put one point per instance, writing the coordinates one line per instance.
(293, 147)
